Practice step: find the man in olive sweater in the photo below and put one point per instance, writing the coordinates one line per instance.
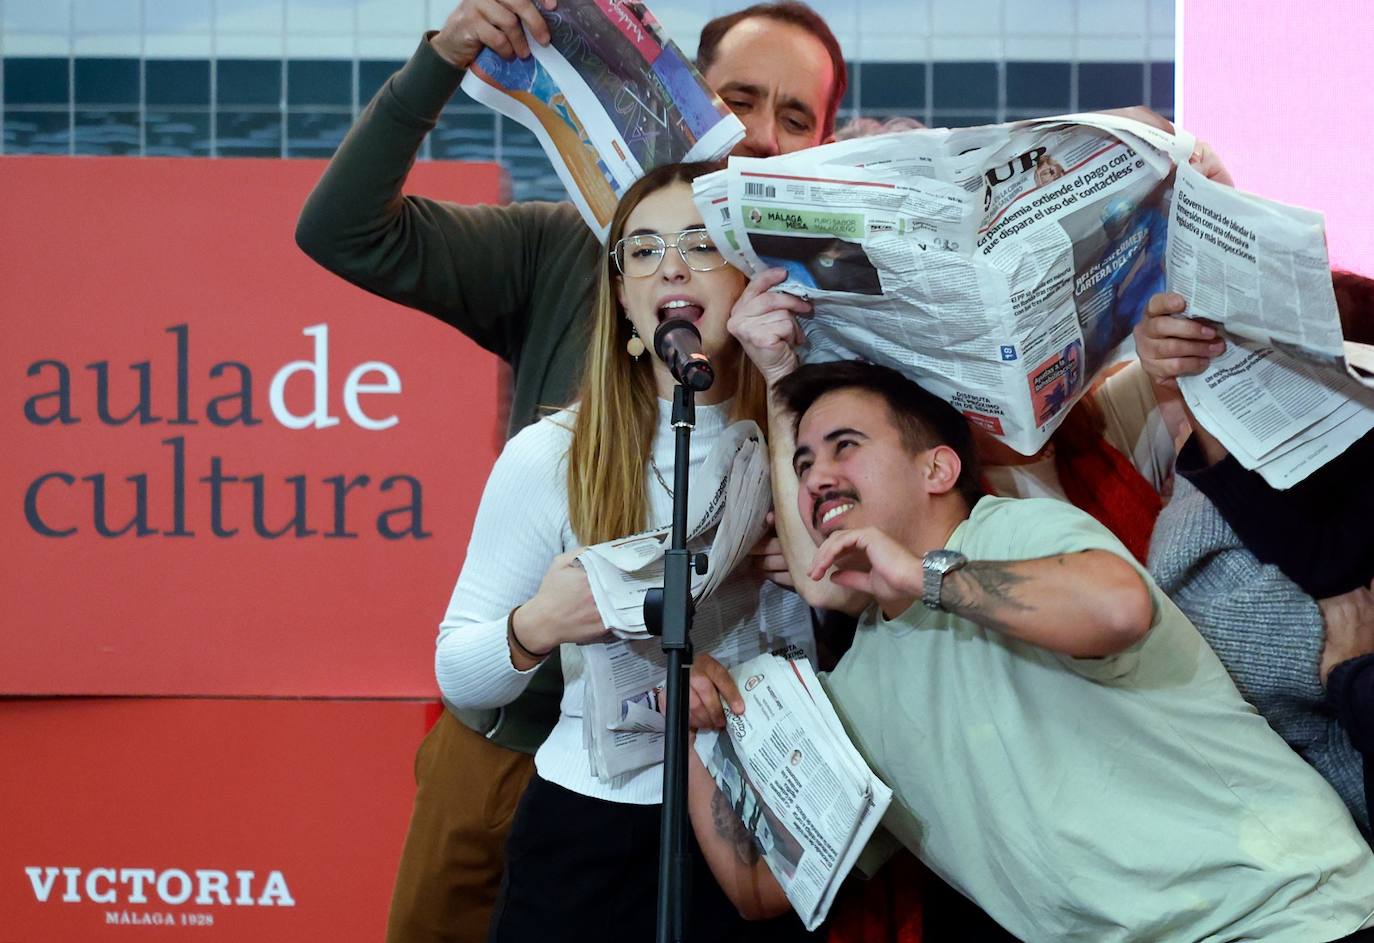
(518, 280)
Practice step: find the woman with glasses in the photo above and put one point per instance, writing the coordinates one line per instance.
(582, 857)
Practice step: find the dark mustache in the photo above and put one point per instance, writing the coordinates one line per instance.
(828, 496)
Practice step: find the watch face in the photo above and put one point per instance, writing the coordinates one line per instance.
(943, 560)
(934, 565)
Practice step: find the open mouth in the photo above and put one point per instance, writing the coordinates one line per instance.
(683, 308)
(831, 508)
(835, 512)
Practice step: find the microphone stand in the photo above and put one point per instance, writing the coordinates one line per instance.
(668, 614)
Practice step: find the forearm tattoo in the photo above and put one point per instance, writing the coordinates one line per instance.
(984, 592)
(730, 828)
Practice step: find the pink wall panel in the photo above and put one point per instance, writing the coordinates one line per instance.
(1282, 91)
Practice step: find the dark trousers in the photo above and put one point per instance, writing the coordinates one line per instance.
(579, 868)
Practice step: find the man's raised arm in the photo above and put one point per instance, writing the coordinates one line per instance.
(726, 844)
(1088, 604)
(764, 322)
(478, 268)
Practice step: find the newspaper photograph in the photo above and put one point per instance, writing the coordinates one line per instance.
(790, 773)
(1284, 397)
(610, 98)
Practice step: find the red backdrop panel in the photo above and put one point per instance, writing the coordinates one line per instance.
(300, 806)
(182, 277)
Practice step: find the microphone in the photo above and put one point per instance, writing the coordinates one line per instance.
(678, 344)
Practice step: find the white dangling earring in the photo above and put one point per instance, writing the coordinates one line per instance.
(635, 345)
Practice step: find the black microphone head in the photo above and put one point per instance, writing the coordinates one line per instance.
(677, 343)
(698, 374)
(672, 326)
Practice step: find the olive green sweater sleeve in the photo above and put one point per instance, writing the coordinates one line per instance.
(500, 274)
(516, 279)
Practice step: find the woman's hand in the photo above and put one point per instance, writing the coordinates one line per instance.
(1172, 346)
(563, 610)
(765, 324)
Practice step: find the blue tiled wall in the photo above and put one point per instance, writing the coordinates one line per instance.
(303, 107)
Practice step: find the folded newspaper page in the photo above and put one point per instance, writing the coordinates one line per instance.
(1001, 267)
(998, 266)
(610, 98)
(737, 616)
(792, 776)
(729, 497)
(622, 726)
(1288, 394)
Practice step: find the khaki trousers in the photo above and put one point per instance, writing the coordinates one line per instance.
(454, 854)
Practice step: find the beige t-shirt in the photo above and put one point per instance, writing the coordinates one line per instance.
(1135, 797)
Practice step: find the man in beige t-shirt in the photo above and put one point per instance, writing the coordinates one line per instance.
(1062, 745)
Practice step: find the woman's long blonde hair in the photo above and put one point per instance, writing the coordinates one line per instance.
(617, 409)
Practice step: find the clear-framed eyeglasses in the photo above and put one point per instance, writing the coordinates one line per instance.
(640, 256)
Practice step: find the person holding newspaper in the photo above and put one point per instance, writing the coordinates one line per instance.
(1279, 582)
(581, 849)
(1113, 455)
(1314, 531)
(1062, 745)
(519, 280)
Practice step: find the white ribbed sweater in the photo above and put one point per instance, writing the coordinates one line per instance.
(521, 525)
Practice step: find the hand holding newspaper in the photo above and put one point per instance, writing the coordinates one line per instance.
(998, 266)
(1288, 394)
(610, 98)
(728, 501)
(788, 770)
(1001, 266)
(736, 616)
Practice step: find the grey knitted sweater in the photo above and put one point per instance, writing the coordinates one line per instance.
(1266, 631)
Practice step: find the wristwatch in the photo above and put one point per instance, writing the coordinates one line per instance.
(934, 565)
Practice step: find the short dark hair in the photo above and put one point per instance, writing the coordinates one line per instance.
(922, 418)
(794, 14)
